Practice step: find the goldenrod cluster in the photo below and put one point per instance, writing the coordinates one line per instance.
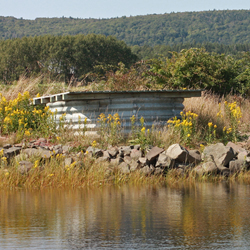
(186, 125)
(235, 110)
(187, 121)
(110, 119)
(110, 127)
(20, 115)
(234, 113)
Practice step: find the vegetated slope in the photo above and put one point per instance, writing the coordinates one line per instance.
(224, 27)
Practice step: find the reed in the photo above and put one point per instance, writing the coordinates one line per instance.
(88, 173)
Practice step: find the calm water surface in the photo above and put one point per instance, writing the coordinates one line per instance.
(194, 216)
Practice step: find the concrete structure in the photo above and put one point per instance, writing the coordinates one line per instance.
(156, 107)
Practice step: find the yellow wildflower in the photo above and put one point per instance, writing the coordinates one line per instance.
(94, 144)
(27, 133)
(143, 130)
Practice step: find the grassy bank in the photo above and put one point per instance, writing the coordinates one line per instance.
(205, 120)
(89, 173)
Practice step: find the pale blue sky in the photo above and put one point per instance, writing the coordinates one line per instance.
(30, 9)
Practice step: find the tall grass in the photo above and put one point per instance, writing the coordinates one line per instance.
(87, 173)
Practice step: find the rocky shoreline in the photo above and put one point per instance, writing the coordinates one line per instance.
(216, 159)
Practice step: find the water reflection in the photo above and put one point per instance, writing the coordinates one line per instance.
(201, 215)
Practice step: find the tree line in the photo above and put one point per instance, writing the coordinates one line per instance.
(107, 60)
(61, 55)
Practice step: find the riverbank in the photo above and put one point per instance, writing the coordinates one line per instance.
(45, 153)
(41, 164)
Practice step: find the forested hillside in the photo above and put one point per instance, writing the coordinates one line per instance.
(222, 27)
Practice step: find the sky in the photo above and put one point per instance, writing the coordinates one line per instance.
(31, 9)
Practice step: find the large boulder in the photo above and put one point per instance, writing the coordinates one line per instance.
(206, 168)
(237, 166)
(134, 165)
(235, 147)
(194, 156)
(24, 167)
(40, 152)
(11, 152)
(244, 156)
(135, 154)
(164, 161)
(221, 154)
(153, 153)
(124, 168)
(146, 170)
(209, 168)
(178, 153)
(96, 152)
(113, 152)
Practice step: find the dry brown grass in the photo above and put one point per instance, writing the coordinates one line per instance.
(89, 173)
(208, 105)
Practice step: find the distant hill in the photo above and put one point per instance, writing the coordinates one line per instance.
(222, 27)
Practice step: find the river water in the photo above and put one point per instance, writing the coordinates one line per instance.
(191, 216)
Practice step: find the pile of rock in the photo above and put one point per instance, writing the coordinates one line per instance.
(215, 159)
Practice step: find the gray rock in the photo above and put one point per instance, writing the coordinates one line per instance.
(44, 153)
(11, 152)
(113, 152)
(96, 152)
(198, 170)
(209, 168)
(68, 161)
(24, 167)
(30, 152)
(142, 161)
(136, 154)
(127, 159)
(126, 150)
(237, 166)
(57, 150)
(40, 152)
(164, 161)
(158, 171)
(225, 171)
(6, 146)
(106, 154)
(146, 170)
(177, 152)
(194, 156)
(124, 168)
(185, 167)
(222, 155)
(137, 146)
(235, 147)
(244, 156)
(116, 161)
(58, 146)
(102, 159)
(154, 153)
(66, 149)
(206, 158)
(134, 166)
